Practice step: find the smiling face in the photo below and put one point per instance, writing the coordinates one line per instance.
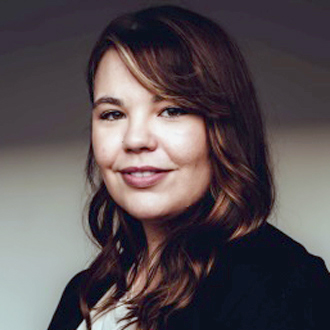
(152, 155)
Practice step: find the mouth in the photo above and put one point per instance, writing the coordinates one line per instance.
(142, 174)
(143, 177)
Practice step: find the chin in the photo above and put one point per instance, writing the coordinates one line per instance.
(149, 215)
(151, 211)
(151, 208)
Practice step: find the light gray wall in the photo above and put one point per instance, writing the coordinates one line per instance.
(44, 132)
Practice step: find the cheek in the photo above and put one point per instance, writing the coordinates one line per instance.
(103, 148)
(189, 146)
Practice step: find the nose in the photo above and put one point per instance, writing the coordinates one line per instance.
(139, 137)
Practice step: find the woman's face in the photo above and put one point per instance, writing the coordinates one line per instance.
(152, 155)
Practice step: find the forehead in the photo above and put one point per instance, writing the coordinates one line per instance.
(111, 68)
(113, 79)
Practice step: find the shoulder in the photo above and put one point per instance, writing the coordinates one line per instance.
(271, 249)
(270, 254)
(267, 280)
(68, 314)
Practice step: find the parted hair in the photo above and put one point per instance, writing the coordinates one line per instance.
(185, 57)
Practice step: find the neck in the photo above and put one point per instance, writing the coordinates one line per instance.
(158, 230)
(155, 235)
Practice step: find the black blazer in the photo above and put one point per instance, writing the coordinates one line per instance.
(264, 281)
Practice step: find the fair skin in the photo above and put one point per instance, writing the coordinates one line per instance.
(152, 155)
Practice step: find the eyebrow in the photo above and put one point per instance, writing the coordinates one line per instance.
(107, 100)
(118, 102)
(158, 98)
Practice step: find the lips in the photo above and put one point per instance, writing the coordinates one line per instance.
(143, 177)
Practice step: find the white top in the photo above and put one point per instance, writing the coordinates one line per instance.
(110, 320)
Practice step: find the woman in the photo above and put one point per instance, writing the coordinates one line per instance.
(183, 189)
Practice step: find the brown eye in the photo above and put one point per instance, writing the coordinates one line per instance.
(112, 115)
(173, 112)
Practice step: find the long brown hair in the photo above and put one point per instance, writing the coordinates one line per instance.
(185, 57)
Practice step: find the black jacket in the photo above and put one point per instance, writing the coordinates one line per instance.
(264, 281)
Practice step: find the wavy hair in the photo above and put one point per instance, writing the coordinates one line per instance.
(187, 58)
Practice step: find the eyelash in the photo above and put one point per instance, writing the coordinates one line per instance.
(107, 114)
(172, 112)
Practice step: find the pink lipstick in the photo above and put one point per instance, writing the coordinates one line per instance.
(143, 177)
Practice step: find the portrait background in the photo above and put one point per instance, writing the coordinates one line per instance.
(44, 129)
